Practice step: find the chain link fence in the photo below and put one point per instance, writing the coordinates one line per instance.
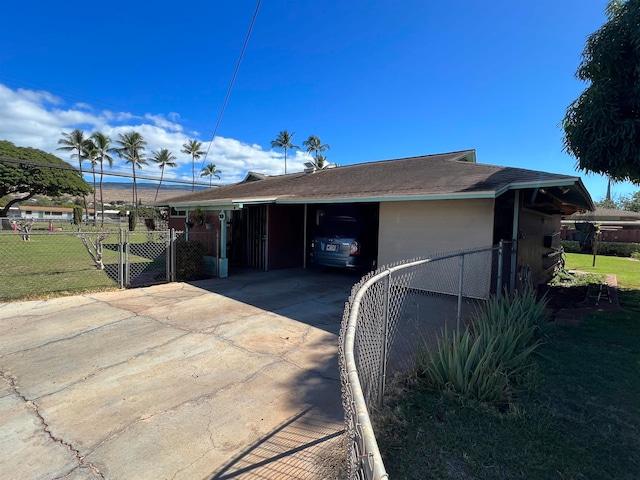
(391, 316)
(52, 262)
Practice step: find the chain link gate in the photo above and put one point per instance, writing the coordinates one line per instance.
(58, 262)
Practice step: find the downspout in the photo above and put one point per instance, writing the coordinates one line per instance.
(514, 245)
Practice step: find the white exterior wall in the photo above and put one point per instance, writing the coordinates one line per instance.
(422, 228)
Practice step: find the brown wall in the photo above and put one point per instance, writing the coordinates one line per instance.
(199, 233)
(286, 236)
(533, 227)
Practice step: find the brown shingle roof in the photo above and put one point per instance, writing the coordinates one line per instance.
(447, 175)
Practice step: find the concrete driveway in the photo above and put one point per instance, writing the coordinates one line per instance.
(231, 378)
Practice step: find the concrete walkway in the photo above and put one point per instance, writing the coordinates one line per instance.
(232, 378)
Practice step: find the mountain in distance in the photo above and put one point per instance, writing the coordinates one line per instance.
(114, 191)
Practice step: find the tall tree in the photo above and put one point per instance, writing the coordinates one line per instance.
(602, 126)
(164, 158)
(314, 144)
(102, 144)
(41, 174)
(132, 147)
(192, 147)
(283, 141)
(631, 202)
(210, 171)
(321, 161)
(74, 142)
(90, 154)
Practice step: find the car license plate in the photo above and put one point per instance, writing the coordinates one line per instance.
(332, 247)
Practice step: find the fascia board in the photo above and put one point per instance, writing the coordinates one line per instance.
(568, 182)
(403, 198)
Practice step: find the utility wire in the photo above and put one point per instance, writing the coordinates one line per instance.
(106, 172)
(233, 79)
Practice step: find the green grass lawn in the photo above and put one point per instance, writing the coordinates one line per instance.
(579, 418)
(627, 270)
(55, 264)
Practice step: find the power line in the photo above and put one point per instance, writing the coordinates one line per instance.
(233, 79)
(106, 172)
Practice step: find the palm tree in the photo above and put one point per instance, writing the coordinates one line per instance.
(74, 141)
(103, 146)
(210, 171)
(321, 161)
(90, 153)
(132, 151)
(283, 140)
(192, 147)
(164, 158)
(314, 144)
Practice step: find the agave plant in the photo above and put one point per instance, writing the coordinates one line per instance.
(486, 361)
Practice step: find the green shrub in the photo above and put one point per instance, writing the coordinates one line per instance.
(610, 249)
(77, 215)
(190, 260)
(133, 221)
(571, 246)
(636, 255)
(488, 360)
(618, 249)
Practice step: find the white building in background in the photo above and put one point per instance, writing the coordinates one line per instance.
(56, 214)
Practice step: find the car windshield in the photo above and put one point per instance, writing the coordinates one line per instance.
(341, 226)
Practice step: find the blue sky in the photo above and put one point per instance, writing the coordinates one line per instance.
(375, 80)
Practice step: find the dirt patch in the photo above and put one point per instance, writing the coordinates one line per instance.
(566, 305)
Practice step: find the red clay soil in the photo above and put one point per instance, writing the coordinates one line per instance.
(567, 305)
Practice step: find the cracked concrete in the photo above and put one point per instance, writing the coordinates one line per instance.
(173, 381)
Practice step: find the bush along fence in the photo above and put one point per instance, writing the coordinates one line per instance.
(391, 315)
(52, 262)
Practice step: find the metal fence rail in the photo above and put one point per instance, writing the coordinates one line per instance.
(391, 315)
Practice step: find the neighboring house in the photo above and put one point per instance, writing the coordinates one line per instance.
(113, 215)
(615, 225)
(44, 214)
(415, 207)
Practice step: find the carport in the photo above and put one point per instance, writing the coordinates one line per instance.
(269, 234)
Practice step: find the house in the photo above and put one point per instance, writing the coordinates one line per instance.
(45, 214)
(414, 207)
(109, 215)
(615, 225)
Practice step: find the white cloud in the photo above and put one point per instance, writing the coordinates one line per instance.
(37, 119)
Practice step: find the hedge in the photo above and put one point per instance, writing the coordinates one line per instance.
(610, 249)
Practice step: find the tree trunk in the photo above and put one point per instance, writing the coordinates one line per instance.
(101, 197)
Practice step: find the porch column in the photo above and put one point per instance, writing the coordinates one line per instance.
(223, 261)
(514, 236)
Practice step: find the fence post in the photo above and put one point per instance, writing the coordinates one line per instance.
(173, 255)
(500, 267)
(384, 340)
(460, 287)
(168, 256)
(127, 265)
(120, 259)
